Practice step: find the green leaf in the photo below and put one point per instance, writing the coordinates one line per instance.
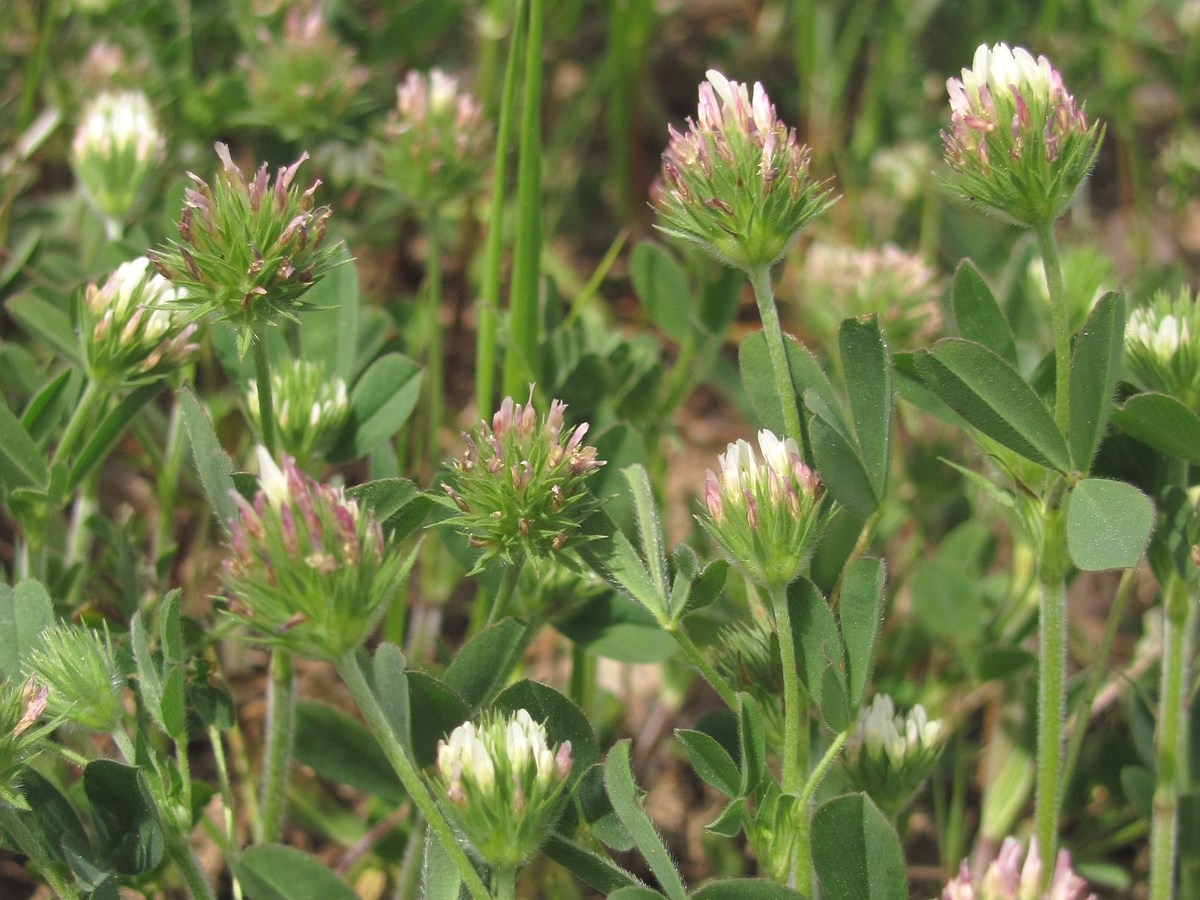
(50, 816)
(275, 872)
(661, 286)
(149, 678)
(752, 743)
(947, 599)
(339, 747)
(754, 363)
(24, 612)
(434, 711)
(21, 461)
(702, 591)
(439, 874)
(654, 552)
(47, 321)
(1108, 524)
(622, 791)
(860, 611)
(856, 853)
(329, 334)
(1162, 422)
(564, 721)
(380, 403)
(841, 467)
(611, 556)
(392, 690)
(869, 385)
(109, 431)
(399, 504)
(48, 407)
(212, 463)
(745, 889)
(729, 821)
(592, 869)
(978, 316)
(635, 892)
(711, 762)
(127, 831)
(614, 627)
(1095, 365)
(989, 393)
(818, 647)
(482, 666)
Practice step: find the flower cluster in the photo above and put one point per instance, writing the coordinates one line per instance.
(768, 516)
(1018, 144)
(435, 143)
(1007, 879)
(503, 784)
(310, 409)
(303, 81)
(1162, 346)
(21, 706)
(78, 666)
(248, 249)
(737, 181)
(841, 281)
(308, 569)
(890, 754)
(520, 486)
(129, 332)
(116, 147)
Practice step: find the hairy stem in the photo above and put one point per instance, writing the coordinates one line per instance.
(277, 748)
(764, 295)
(508, 586)
(16, 829)
(262, 379)
(1059, 321)
(696, 658)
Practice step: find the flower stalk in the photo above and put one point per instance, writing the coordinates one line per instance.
(764, 296)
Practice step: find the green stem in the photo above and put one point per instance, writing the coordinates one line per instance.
(508, 586)
(218, 749)
(1052, 676)
(80, 418)
(262, 380)
(489, 301)
(1059, 321)
(16, 829)
(348, 668)
(277, 748)
(435, 352)
(1171, 750)
(696, 658)
(823, 766)
(504, 882)
(1083, 708)
(168, 481)
(795, 718)
(180, 851)
(582, 686)
(764, 296)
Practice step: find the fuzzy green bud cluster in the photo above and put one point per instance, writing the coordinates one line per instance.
(116, 148)
(302, 81)
(503, 784)
(1162, 346)
(1018, 144)
(21, 734)
(435, 144)
(768, 515)
(737, 181)
(130, 329)
(310, 409)
(520, 486)
(78, 666)
(1007, 879)
(890, 754)
(248, 250)
(308, 569)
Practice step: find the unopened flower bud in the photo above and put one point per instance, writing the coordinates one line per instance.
(116, 148)
(1162, 346)
(310, 409)
(889, 755)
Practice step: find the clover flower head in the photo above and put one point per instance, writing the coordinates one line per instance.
(310, 408)
(520, 487)
(502, 782)
(1162, 346)
(308, 568)
(1018, 145)
(1007, 878)
(84, 685)
(116, 148)
(435, 145)
(248, 249)
(130, 330)
(737, 181)
(767, 515)
(890, 754)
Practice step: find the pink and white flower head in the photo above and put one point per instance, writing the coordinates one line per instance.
(1008, 878)
(737, 182)
(766, 513)
(1018, 144)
